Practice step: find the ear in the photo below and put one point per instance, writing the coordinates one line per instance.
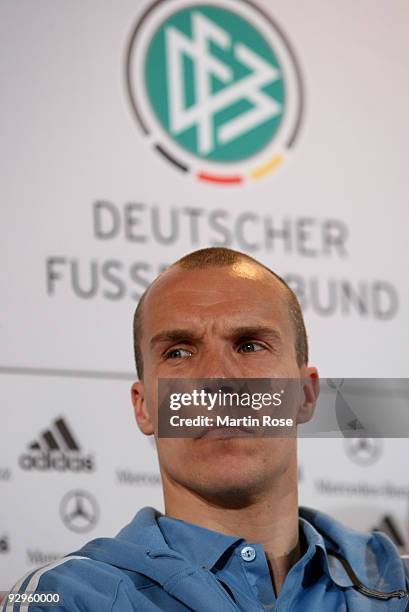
(311, 391)
(142, 416)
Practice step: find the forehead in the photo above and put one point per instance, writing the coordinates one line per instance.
(243, 293)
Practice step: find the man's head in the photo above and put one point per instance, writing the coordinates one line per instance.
(217, 313)
(219, 257)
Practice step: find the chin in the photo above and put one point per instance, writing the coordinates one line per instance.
(231, 484)
(229, 494)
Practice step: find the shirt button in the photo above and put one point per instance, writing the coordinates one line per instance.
(248, 553)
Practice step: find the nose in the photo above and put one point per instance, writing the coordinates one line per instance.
(215, 364)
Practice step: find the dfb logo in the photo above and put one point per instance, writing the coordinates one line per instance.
(215, 87)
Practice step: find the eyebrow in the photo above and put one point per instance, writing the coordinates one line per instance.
(173, 335)
(247, 331)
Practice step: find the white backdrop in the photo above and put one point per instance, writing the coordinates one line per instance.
(87, 204)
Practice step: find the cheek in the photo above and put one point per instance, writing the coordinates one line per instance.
(276, 367)
(174, 455)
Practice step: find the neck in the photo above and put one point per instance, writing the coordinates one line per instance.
(269, 519)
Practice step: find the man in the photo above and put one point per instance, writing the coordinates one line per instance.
(232, 536)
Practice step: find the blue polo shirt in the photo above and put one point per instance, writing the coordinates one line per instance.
(158, 564)
(242, 569)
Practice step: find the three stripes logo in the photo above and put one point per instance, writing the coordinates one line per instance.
(56, 449)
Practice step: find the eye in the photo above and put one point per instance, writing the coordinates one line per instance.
(250, 347)
(177, 353)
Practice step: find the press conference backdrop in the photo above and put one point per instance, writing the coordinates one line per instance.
(133, 133)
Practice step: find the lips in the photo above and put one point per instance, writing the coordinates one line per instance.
(224, 433)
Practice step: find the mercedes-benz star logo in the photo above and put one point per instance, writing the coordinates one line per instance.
(79, 511)
(363, 451)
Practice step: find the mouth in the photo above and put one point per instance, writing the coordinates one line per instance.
(225, 433)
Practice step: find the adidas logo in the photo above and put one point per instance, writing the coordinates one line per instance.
(56, 449)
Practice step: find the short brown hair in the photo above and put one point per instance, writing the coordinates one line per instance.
(223, 257)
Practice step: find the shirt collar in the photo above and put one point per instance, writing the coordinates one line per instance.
(366, 553)
(317, 550)
(205, 547)
(201, 546)
(323, 534)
